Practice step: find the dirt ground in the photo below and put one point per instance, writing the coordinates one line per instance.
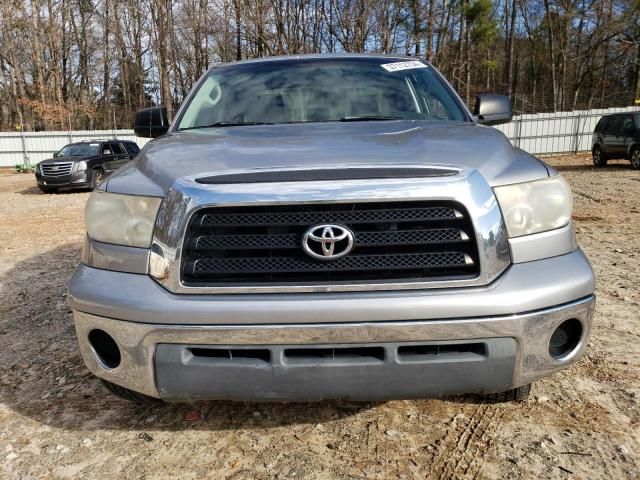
(57, 421)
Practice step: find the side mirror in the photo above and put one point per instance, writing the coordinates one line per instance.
(55, 154)
(151, 122)
(493, 109)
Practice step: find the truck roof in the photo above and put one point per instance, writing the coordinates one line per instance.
(321, 56)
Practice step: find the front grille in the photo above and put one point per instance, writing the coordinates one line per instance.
(412, 241)
(57, 169)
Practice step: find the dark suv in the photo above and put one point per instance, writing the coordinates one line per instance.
(617, 136)
(84, 164)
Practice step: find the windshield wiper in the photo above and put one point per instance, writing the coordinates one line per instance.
(369, 118)
(226, 124)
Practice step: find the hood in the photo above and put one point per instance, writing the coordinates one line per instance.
(214, 151)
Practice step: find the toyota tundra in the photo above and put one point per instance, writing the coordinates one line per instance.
(330, 226)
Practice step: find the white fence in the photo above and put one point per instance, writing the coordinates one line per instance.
(541, 133)
(554, 133)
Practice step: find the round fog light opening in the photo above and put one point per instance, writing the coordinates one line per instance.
(565, 338)
(105, 347)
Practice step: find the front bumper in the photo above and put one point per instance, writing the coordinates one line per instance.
(73, 180)
(165, 361)
(162, 336)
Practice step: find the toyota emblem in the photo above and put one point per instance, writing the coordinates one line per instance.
(327, 242)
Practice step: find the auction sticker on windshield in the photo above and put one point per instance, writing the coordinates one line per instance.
(394, 67)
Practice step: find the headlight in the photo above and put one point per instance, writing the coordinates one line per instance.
(121, 219)
(80, 166)
(534, 207)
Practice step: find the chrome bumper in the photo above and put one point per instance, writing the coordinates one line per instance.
(530, 360)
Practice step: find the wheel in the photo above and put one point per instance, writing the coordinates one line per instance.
(97, 176)
(519, 394)
(47, 189)
(599, 158)
(127, 394)
(635, 159)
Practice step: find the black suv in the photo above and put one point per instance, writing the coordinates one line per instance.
(617, 136)
(84, 164)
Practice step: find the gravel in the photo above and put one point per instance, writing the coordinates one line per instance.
(56, 420)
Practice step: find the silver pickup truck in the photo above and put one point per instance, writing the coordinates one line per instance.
(326, 226)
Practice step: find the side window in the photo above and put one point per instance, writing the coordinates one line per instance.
(435, 107)
(106, 150)
(627, 124)
(602, 124)
(117, 148)
(132, 148)
(614, 127)
(436, 100)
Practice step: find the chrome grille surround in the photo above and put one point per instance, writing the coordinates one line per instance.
(56, 169)
(187, 197)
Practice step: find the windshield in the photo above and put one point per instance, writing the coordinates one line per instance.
(320, 90)
(79, 150)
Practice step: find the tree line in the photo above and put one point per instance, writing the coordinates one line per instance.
(90, 64)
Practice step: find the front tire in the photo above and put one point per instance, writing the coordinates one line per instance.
(519, 394)
(599, 158)
(129, 395)
(44, 189)
(635, 159)
(97, 176)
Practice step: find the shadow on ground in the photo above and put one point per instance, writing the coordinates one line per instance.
(585, 167)
(43, 376)
(34, 190)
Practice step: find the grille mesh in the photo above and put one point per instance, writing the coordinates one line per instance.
(360, 262)
(346, 216)
(440, 235)
(292, 240)
(236, 246)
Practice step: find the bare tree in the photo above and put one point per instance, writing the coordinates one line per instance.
(93, 63)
